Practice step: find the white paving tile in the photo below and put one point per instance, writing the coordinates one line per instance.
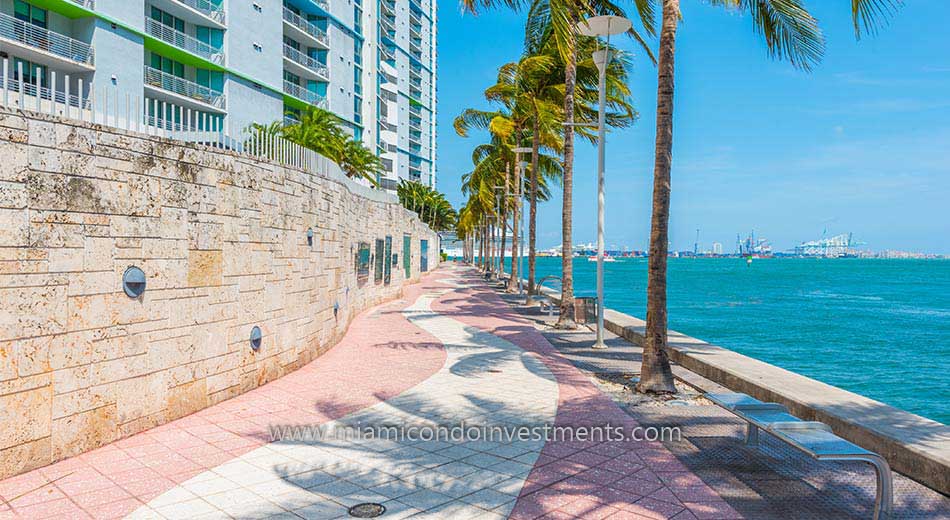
(444, 478)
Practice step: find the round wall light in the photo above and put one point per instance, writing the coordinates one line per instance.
(256, 338)
(309, 236)
(133, 282)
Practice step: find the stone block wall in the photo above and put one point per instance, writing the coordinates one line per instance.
(223, 242)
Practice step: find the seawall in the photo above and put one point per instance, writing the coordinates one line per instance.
(223, 242)
(913, 445)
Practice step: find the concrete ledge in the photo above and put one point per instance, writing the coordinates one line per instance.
(913, 445)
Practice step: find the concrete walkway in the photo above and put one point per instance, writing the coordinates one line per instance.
(451, 359)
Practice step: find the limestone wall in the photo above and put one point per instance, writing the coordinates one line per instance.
(223, 242)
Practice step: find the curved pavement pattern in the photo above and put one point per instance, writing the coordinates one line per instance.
(484, 380)
(451, 355)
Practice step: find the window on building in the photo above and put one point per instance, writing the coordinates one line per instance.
(167, 65)
(291, 42)
(209, 35)
(212, 79)
(291, 77)
(167, 19)
(30, 13)
(31, 72)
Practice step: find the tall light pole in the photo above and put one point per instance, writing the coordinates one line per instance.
(598, 26)
(520, 152)
(500, 200)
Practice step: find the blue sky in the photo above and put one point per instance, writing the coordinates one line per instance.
(861, 145)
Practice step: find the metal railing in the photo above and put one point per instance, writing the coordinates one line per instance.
(209, 9)
(23, 88)
(46, 40)
(301, 93)
(415, 126)
(413, 17)
(183, 87)
(386, 53)
(310, 63)
(306, 26)
(322, 4)
(88, 4)
(386, 24)
(183, 41)
(106, 105)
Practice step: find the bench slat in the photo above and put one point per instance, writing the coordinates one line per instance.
(820, 443)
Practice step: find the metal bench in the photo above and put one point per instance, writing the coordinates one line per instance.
(813, 438)
(545, 302)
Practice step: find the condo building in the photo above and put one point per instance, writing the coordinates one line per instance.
(232, 63)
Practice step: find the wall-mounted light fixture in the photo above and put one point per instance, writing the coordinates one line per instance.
(256, 338)
(133, 282)
(309, 236)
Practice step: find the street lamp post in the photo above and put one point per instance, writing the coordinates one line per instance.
(520, 151)
(500, 199)
(598, 26)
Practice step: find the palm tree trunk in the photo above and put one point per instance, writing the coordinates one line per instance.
(566, 318)
(533, 210)
(516, 218)
(655, 373)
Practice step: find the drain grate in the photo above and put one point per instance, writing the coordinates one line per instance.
(367, 510)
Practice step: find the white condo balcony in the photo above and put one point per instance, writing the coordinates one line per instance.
(183, 41)
(198, 12)
(303, 94)
(180, 91)
(40, 45)
(304, 65)
(302, 29)
(88, 4)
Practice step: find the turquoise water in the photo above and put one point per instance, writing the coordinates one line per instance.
(880, 328)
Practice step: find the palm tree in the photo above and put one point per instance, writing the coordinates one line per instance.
(555, 21)
(504, 125)
(322, 131)
(431, 205)
(791, 33)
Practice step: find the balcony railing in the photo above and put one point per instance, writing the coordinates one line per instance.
(415, 18)
(301, 93)
(183, 41)
(310, 63)
(304, 25)
(38, 38)
(88, 4)
(183, 87)
(209, 9)
(322, 4)
(386, 24)
(387, 54)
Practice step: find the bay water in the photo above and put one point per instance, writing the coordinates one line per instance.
(879, 328)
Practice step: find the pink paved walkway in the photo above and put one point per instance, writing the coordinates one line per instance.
(572, 479)
(382, 356)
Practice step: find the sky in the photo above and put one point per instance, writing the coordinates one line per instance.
(859, 145)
